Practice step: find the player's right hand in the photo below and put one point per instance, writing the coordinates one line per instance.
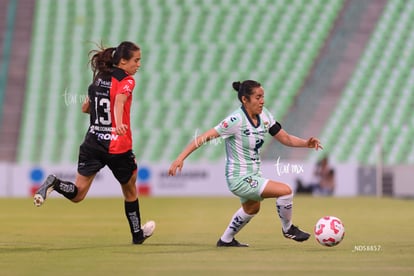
(177, 164)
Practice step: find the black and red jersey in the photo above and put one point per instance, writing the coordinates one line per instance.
(101, 134)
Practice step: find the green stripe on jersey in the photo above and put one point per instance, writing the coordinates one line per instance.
(243, 141)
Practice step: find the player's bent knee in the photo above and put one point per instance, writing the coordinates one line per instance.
(285, 199)
(251, 208)
(252, 211)
(276, 189)
(288, 190)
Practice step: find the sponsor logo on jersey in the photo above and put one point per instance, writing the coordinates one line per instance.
(127, 88)
(94, 128)
(107, 136)
(102, 83)
(248, 131)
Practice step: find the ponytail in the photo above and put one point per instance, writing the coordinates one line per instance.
(104, 60)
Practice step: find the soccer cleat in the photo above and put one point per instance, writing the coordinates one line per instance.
(296, 234)
(44, 190)
(147, 231)
(233, 243)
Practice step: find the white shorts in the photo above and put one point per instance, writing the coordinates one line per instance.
(248, 187)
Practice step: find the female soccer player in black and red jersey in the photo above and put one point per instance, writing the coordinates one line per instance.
(108, 142)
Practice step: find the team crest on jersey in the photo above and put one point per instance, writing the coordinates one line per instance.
(224, 124)
(252, 182)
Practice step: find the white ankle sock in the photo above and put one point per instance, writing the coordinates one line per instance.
(238, 221)
(284, 209)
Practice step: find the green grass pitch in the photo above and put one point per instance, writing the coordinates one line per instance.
(92, 238)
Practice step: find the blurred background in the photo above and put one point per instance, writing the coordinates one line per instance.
(340, 70)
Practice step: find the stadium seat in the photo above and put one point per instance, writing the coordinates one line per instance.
(375, 107)
(192, 52)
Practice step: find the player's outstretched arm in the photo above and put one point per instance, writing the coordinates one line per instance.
(86, 105)
(292, 141)
(195, 144)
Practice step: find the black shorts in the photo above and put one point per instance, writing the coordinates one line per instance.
(92, 161)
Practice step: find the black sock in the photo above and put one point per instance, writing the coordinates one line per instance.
(66, 188)
(134, 219)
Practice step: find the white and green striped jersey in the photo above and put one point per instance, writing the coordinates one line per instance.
(243, 141)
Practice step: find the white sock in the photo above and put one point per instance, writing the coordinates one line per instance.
(238, 221)
(284, 209)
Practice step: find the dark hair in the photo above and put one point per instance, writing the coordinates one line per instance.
(245, 88)
(104, 59)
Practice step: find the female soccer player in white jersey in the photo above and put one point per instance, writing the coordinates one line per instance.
(244, 132)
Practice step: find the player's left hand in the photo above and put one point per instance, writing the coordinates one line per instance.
(314, 143)
(121, 129)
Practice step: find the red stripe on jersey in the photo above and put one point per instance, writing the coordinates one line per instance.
(121, 143)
